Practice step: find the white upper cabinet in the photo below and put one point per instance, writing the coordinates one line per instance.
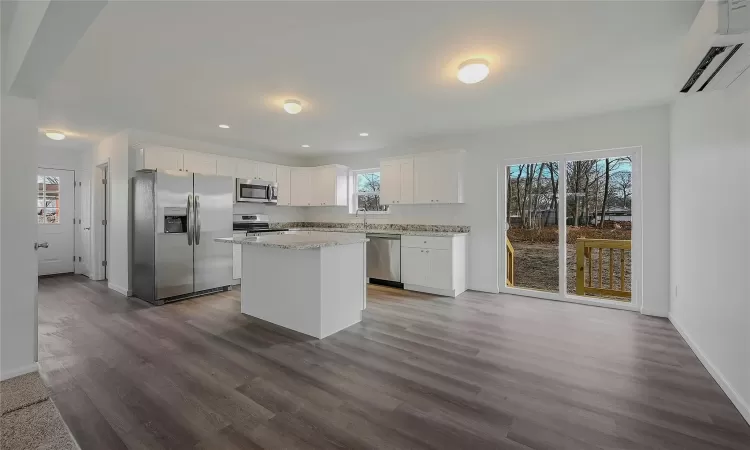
(246, 169)
(397, 181)
(255, 170)
(162, 158)
(439, 177)
(226, 165)
(301, 184)
(284, 179)
(324, 186)
(319, 186)
(203, 163)
(329, 186)
(266, 171)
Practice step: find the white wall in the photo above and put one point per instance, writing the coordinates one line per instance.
(488, 149)
(18, 232)
(710, 234)
(114, 150)
(275, 213)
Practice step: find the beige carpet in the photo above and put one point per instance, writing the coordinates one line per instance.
(29, 418)
(22, 391)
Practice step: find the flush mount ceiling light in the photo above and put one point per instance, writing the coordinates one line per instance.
(305, 146)
(223, 125)
(55, 135)
(473, 71)
(364, 134)
(292, 106)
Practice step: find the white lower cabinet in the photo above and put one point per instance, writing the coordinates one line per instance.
(435, 265)
(237, 257)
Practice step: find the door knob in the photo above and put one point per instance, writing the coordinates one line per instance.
(87, 228)
(38, 245)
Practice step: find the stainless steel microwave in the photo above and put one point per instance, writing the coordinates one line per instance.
(256, 191)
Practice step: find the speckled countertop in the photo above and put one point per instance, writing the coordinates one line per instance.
(382, 231)
(294, 241)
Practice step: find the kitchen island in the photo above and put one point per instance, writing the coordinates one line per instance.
(314, 283)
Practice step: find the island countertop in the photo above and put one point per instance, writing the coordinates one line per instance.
(294, 241)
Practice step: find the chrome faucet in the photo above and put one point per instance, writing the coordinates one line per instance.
(364, 215)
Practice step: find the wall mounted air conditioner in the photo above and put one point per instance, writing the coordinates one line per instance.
(718, 46)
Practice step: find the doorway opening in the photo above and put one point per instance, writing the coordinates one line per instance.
(572, 227)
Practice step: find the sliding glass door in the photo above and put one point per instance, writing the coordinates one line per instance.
(571, 227)
(532, 217)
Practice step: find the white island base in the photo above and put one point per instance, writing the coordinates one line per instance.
(315, 291)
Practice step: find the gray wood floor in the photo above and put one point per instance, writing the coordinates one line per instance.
(479, 371)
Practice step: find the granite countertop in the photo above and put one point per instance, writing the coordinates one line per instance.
(293, 241)
(381, 231)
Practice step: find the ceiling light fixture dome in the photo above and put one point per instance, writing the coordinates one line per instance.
(55, 135)
(473, 71)
(223, 125)
(292, 106)
(364, 134)
(305, 146)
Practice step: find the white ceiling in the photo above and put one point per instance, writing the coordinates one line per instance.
(387, 68)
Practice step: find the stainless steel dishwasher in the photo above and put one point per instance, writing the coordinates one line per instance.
(384, 258)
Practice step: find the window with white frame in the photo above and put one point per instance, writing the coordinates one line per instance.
(48, 199)
(367, 191)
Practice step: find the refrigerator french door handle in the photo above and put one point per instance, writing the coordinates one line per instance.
(197, 220)
(189, 219)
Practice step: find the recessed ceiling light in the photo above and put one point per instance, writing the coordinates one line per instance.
(473, 71)
(364, 134)
(305, 146)
(55, 135)
(223, 125)
(292, 106)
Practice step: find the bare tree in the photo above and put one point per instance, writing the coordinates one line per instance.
(622, 182)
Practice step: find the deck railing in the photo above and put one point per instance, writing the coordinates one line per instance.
(510, 263)
(590, 250)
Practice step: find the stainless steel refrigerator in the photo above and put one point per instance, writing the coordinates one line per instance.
(176, 216)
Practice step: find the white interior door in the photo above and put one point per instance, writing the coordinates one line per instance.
(55, 214)
(84, 226)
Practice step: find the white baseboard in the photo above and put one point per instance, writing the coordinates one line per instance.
(23, 370)
(429, 290)
(119, 289)
(654, 313)
(489, 290)
(733, 395)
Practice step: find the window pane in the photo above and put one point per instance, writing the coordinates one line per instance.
(52, 184)
(48, 199)
(370, 202)
(368, 182)
(52, 215)
(599, 225)
(532, 247)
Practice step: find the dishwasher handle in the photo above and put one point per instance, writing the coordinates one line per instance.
(395, 237)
